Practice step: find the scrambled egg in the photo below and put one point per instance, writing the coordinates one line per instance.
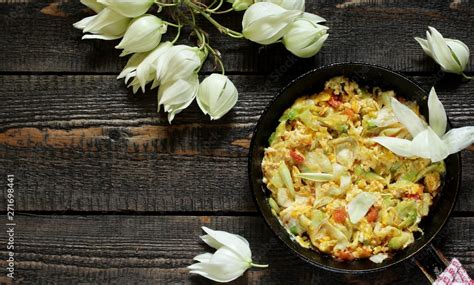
(337, 191)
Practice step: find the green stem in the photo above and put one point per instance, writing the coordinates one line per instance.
(259, 265)
(178, 33)
(208, 17)
(215, 8)
(225, 11)
(217, 57)
(466, 77)
(161, 4)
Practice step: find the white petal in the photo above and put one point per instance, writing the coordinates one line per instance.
(424, 44)
(313, 18)
(92, 4)
(128, 8)
(398, 146)
(408, 118)
(458, 139)
(385, 117)
(204, 257)
(428, 144)
(100, 37)
(132, 64)
(210, 241)
(107, 23)
(378, 258)
(143, 34)
(441, 52)
(437, 114)
(265, 23)
(178, 62)
(345, 182)
(360, 205)
(82, 24)
(216, 272)
(232, 242)
(146, 69)
(461, 50)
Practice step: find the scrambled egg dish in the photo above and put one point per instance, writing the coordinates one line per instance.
(337, 191)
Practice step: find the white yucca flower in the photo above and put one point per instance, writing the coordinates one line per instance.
(452, 55)
(428, 141)
(106, 25)
(143, 34)
(231, 259)
(305, 38)
(265, 22)
(217, 95)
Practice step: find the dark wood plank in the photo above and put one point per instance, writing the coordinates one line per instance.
(42, 39)
(106, 150)
(151, 249)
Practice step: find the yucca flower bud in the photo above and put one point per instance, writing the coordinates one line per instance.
(305, 38)
(240, 5)
(143, 34)
(265, 23)
(217, 95)
(128, 8)
(106, 25)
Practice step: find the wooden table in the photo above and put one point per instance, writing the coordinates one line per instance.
(107, 192)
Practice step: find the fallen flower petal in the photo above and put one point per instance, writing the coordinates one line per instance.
(452, 55)
(231, 259)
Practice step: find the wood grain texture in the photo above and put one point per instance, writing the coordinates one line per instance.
(42, 39)
(82, 143)
(156, 250)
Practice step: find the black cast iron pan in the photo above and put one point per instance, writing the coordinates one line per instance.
(309, 83)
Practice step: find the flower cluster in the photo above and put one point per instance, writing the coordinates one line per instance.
(174, 68)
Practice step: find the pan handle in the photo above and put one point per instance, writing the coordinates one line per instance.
(431, 261)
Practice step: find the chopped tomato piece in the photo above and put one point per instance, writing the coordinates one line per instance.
(345, 255)
(297, 157)
(413, 196)
(372, 215)
(349, 112)
(334, 102)
(339, 215)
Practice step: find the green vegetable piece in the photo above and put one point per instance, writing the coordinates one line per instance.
(271, 138)
(274, 205)
(294, 230)
(439, 167)
(407, 213)
(371, 125)
(287, 180)
(400, 241)
(309, 120)
(409, 176)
